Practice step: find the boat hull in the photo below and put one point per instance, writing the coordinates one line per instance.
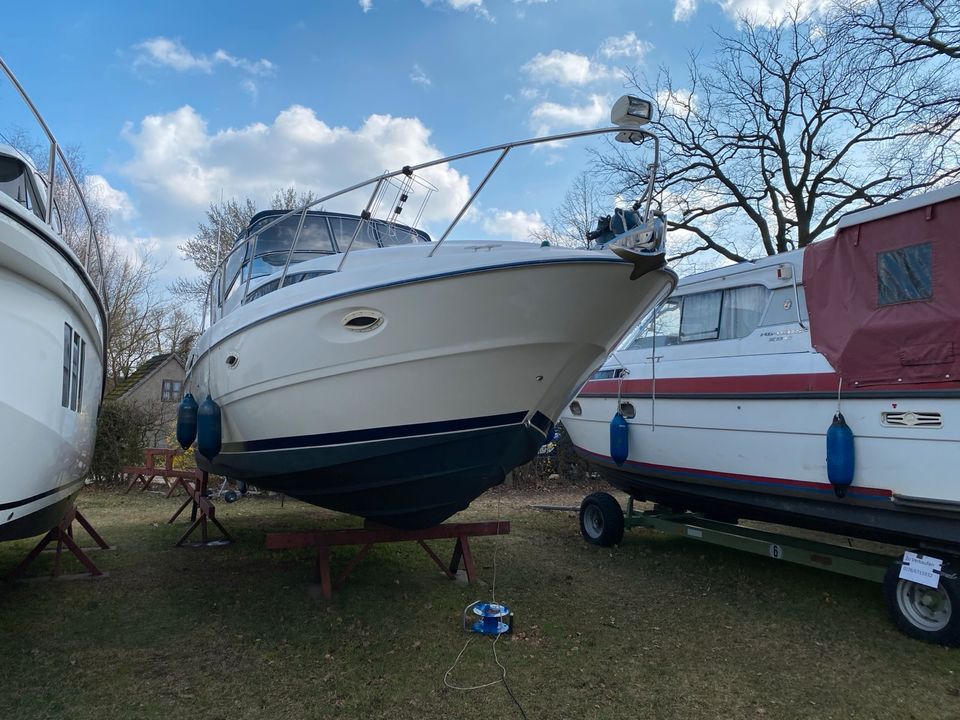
(46, 447)
(409, 422)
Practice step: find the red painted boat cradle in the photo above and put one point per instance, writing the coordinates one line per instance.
(63, 534)
(372, 533)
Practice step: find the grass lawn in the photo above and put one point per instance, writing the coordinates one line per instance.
(659, 628)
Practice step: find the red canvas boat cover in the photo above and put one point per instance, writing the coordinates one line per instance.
(884, 293)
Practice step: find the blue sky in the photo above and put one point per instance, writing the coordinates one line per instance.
(174, 101)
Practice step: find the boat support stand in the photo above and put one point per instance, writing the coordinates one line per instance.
(63, 534)
(372, 534)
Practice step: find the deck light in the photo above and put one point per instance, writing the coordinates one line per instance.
(631, 112)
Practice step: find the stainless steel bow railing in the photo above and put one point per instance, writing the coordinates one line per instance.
(92, 250)
(213, 300)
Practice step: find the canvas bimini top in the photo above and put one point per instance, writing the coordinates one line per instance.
(883, 294)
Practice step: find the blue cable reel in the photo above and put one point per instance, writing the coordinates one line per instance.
(494, 619)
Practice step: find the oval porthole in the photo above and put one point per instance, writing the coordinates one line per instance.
(575, 408)
(627, 410)
(363, 320)
(232, 360)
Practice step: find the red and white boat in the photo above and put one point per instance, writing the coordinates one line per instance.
(728, 390)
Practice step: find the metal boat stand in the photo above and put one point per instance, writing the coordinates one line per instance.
(63, 534)
(372, 533)
(202, 510)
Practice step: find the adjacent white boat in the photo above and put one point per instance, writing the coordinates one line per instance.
(53, 324)
(728, 390)
(362, 367)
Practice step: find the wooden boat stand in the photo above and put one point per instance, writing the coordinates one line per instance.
(201, 511)
(63, 534)
(372, 533)
(150, 471)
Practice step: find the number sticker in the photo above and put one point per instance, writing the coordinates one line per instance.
(775, 551)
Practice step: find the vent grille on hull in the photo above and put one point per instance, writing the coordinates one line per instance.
(911, 418)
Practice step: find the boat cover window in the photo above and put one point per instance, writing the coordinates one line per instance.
(667, 326)
(701, 316)
(742, 309)
(904, 275)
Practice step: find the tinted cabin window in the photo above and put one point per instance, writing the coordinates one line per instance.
(667, 326)
(15, 184)
(701, 316)
(904, 275)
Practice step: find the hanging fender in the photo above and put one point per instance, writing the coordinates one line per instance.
(840, 456)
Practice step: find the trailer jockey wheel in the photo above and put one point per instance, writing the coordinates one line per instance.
(601, 519)
(924, 613)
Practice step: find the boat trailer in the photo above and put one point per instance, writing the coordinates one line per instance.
(921, 592)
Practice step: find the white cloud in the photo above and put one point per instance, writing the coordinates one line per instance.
(516, 224)
(419, 77)
(366, 5)
(98, 189)
(179, 165)
(164, 52)
(684, 9)
(765, 12)
(566, 68)
(476, 6)
(626, 46)
(548, 117)
(678, 102)
(260, 67)
(250, 87)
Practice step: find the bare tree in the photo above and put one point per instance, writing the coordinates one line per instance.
(576, 214)
(215, 237)
(916, 30)
(790, 127)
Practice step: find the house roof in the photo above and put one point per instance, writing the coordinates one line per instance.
(141, 374)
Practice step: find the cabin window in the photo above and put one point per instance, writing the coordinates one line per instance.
(667, 326)
(171, 391)
(905, 275)
(742, 310)
(782, 308)
(74, 350)
(701, 316)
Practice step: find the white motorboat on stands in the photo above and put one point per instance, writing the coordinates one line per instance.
(727, 391)
(54, 324)
(363, 367)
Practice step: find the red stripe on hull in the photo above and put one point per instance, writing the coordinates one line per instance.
(744, 384)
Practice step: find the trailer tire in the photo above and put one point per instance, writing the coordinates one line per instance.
(601, 519)
(924, 613)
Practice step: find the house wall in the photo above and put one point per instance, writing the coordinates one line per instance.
(147, 396)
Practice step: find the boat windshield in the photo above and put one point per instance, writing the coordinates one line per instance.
(15, 183)
(271, 243)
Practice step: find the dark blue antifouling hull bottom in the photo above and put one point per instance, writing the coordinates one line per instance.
(410, 482)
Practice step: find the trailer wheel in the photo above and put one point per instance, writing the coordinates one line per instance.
(601, 519)
(924, 613)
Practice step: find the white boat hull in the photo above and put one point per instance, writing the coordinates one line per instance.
(408, 422)
(46, 447)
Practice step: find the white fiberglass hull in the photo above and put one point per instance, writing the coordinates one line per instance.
(461, 380)
(737, 428)
(46, 447)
